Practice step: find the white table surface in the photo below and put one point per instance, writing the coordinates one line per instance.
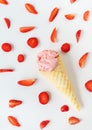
(31, 112)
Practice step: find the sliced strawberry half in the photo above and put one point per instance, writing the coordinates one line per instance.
(73, 120)
(44, 123)
(78, 34)
(8, 22)
(30, 8)
(86, 15)
(26, 82)
(70, 16)
(53, 36)
(13, 103)
(13, 121)
(53, 14)
(26, 29)
(83, 60)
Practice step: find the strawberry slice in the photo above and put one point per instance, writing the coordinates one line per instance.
(54, 35)
(26, 82)
(44, 123)
(86, 15)
(88, 85)
(6, 47)
(83, 60)
(4, 2)
(65, 47)
(69, 16)
(13, 121)
(13, 103)
(6, 70)
(78, 34)
(26, 29)
(72, 1)
(53, 14)
(33, 42)
(73, 120)
(30, 8)
(43, 97)
(8, 23)
(64, 108)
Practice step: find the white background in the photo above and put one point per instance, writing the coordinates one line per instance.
(31, 112)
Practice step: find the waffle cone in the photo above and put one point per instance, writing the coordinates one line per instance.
(60, 80)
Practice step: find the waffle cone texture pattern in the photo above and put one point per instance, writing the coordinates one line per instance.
(60, 80)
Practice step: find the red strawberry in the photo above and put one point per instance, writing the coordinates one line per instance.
(73, 120)
(43, 98)
(21, 57)
(32, 42)
(14, 103)
(26, 29)
(78, 33)
(72, 1)
(65, 108)
(53, 14)
(88, 85)
(13, 121)
(26, 82)
(3, 2)
(6, 70)
(7, 21)
(30, 8)
(69, 16)
(65, 47)
(83, 59)
(86, 15)
(6, 47)
(54, 35)
(44, 123)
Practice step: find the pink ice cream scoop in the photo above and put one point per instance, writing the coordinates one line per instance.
(47, 60)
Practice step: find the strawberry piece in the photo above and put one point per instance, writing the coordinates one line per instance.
(7, 21)
(88, 85)
(32, 42)
(26, 82)
(65, 47)
(4, 2)
(6, 47)
(43, 98)
(86, 15)
(72, 1)
(44, 123)
(13, 121)
(54, 35)
(78, 34)
(26, 29)
(53, 14)
(64, 108)
(21, 58)
(69, 16)
(83, 60)
(30, 8)
(6, 70)
(13, 103)
(73, 120)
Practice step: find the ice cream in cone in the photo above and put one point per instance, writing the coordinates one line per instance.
(51, 66)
